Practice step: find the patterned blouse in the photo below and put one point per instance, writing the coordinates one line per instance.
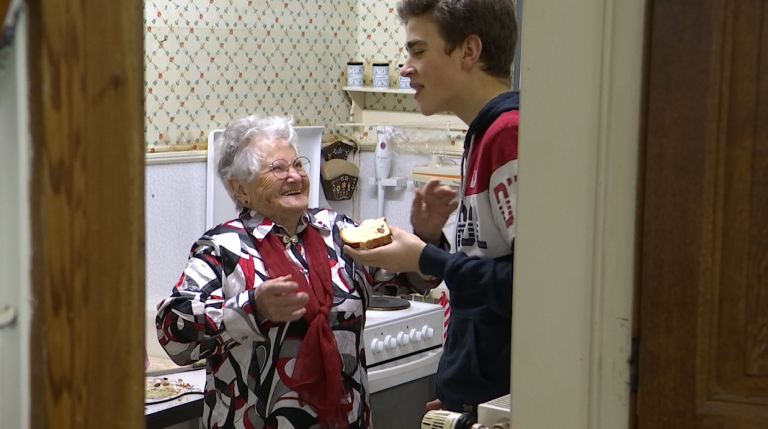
(210, 316)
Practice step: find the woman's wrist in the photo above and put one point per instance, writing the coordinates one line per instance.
(257, 314)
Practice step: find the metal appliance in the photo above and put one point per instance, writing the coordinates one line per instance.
(402, 349)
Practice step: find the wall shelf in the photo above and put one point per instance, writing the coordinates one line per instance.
(366, 89)
(153, 158)
(388, 182)
(360, 116)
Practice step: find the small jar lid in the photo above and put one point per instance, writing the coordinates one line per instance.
(354, 63)
(381, 64)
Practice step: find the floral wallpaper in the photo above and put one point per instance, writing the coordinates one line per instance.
(208, 62)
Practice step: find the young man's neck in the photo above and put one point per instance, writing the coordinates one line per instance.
(478, 95)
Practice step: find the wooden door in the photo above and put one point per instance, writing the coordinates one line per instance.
(704, 248)
(86, 83)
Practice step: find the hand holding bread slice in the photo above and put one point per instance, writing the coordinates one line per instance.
(369, 234)
(394, 249)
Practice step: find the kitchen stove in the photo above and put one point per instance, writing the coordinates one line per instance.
(399, 341)
(402, 351)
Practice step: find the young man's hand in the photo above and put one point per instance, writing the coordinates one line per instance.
(435, 405)
(432, 205)
(399, 256)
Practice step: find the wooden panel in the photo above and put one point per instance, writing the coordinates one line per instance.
(704, 268)
(731, 415)
(757, 293)
(740, 372)
(681, 138)
(86, 96)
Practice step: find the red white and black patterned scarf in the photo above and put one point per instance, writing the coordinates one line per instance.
(317, 372)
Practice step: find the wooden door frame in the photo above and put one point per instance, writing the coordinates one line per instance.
(4, 8)
(574, 253)
(86, 85)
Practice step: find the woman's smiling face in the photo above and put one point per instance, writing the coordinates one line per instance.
(281, 200)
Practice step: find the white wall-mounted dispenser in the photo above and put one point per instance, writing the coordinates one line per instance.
(382, 165)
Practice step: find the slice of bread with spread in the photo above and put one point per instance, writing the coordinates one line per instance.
(369, 234)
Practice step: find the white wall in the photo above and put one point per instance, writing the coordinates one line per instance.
(174, 202)
(15, 286)
(397, 201)
(573, 280)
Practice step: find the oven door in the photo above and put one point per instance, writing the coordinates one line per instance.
(400, 390)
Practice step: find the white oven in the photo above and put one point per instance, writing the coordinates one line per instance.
(402, 350)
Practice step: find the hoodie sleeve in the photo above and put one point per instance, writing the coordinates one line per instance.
(500, 159)
(488, 278)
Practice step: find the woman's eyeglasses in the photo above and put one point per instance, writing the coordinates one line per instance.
(280, 167)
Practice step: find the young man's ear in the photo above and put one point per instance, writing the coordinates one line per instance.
(238, 190)
(471, 48)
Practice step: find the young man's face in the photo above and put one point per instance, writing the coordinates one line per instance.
(435, 75)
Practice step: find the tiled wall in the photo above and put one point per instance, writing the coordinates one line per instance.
(211, 61)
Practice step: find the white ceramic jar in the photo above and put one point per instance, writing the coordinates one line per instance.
(381, 75)
(354, 73)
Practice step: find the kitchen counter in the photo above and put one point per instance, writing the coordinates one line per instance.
(182, 409)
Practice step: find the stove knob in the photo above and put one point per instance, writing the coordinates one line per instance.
(390, 342)
(415, 335)
(427, 332)
(377, 346)
(403, 339)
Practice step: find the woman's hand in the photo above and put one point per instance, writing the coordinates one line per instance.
(277, 300)
(400, 256)
(432, 205)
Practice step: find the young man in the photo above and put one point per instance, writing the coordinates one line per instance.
(460, 57)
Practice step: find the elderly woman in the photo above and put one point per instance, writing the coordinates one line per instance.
(269, 299)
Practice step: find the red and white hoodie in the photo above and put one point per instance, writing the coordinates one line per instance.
(474, 367)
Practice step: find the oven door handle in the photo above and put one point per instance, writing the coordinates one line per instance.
(433, 356)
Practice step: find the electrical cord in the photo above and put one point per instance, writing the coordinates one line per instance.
(172, 398)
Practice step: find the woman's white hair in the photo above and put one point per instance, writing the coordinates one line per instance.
(238, 158)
